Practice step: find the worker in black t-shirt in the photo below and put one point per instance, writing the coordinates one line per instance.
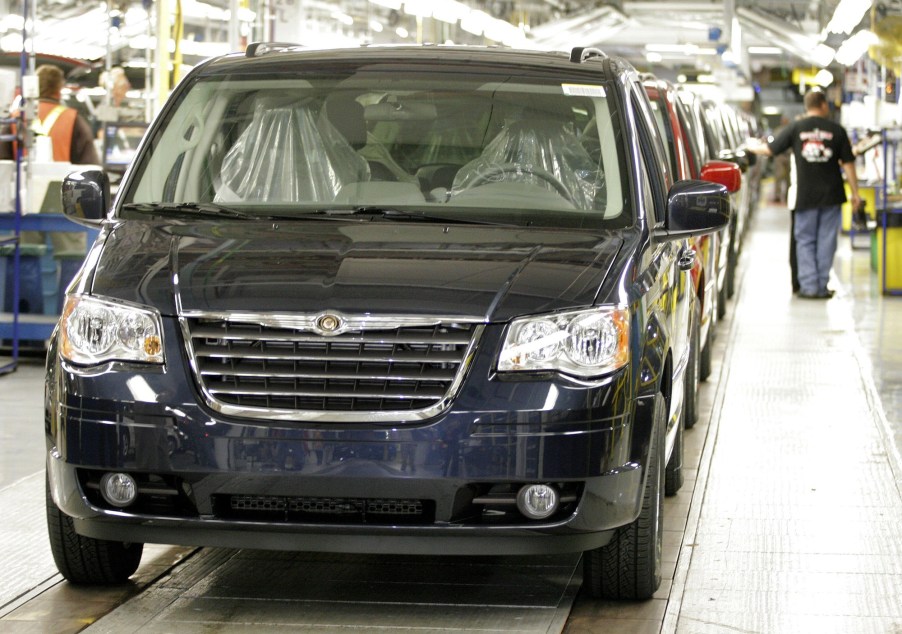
(822, 153)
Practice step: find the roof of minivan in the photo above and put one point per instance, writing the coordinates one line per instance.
(277, 55)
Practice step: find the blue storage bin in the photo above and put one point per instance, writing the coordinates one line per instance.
(3, 285)
(48, 282)
(31, 287)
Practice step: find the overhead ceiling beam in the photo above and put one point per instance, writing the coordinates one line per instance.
(791, 39)
(588, 28)
(683, 22)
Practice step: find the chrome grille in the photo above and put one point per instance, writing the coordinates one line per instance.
(286, 370)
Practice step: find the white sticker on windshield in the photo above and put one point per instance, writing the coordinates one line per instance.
(582, 90)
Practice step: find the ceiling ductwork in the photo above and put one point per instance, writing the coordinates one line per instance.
(806, 47)
(588, 28)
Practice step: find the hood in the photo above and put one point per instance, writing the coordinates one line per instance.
(490, 273)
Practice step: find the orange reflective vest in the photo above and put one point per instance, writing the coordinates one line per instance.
(57, 122)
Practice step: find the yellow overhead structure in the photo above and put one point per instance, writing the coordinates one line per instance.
(161, 65)
(170, 30)
(178, 32)
(888, 53)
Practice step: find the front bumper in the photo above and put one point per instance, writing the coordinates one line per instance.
(448, 483)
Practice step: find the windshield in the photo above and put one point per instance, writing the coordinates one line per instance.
(533, 152)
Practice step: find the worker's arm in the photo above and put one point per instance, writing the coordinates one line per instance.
(757, 146)
(852, 180)
(83, 151)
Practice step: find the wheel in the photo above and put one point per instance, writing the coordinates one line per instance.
(722, 301)
(629, 566)
(673, 472)
(85, 560)
(732, 259)
(731, 274)
(693, 371)
(704, 358)
(513, 168)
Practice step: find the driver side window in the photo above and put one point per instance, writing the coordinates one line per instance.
(655, 179)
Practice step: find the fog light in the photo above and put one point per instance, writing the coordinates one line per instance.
(537, 501)
(119, 489)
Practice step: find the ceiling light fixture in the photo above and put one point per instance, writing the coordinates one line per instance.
(823, 54)
(418, 8)
(765, 50)
(690, 50)
(449, 11)
(12, 22)
(474, 22)
(823, 78)
(388, 4)
(685, 49)
(847, 15)
(856, 46)
(342, 17)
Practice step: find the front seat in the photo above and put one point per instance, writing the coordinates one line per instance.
(288, 155)
(540, 150)
(347, 115)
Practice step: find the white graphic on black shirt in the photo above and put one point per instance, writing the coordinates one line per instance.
(814, 150)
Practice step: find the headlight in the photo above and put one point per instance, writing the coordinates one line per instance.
(583, 343)
(94, 331)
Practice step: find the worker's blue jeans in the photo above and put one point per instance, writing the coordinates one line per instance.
(816, 233)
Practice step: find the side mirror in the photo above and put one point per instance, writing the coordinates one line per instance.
(695, 208)
(739, 158)
(86, 197)
(723, 173)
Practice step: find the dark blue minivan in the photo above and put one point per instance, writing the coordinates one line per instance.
(387, 300)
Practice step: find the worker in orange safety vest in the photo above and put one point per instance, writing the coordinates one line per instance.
(71, 135)
(72, 141)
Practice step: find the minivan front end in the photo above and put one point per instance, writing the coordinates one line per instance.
(225, 444)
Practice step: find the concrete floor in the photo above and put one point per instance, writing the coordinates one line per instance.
(789, 520)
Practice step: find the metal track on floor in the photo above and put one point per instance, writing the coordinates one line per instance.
(241, 590)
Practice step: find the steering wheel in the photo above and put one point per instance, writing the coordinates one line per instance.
(516, 168)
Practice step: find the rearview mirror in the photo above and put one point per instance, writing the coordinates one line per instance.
(400, 111)
(695, 208)
(86, 197)
(723, 173)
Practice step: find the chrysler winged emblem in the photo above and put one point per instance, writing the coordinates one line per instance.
(328, 324)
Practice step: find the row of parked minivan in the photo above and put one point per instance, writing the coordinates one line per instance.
(422, 300)
(701, 132)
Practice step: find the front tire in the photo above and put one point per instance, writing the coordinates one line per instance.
(85, 560)
(693, 373)
(673, 472)
(732, 263)
(629, 566)
(704, 359)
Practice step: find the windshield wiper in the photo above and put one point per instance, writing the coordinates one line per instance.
(191, 209)
(358, 214)
(388, 213)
